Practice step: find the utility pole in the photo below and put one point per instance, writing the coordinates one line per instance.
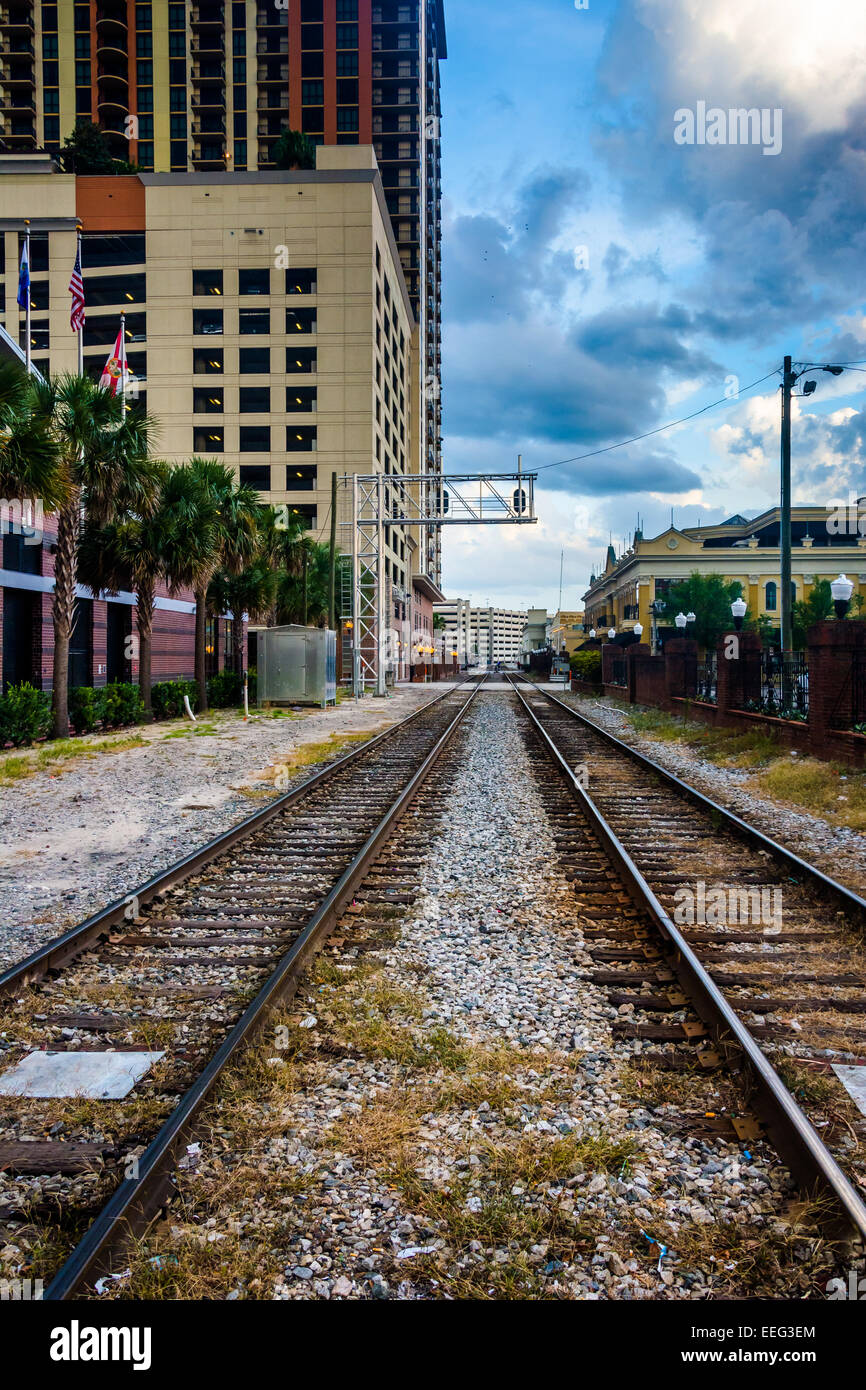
(788, 379)
(332, 558)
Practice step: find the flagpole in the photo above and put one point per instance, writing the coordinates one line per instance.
(27, 347)
(81, 328)
(123, 360)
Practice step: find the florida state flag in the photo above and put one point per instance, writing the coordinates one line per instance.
(113, 371)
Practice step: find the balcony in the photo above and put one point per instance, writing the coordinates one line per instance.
(211, 99)
(210, 72)
(272, 104)
(113, 68)
(17, 45)
(112, 20)
(213, 126)
(203, 17)
(210, 44)
(18, 132)
(21, 75)
(272, 74)
(209, 157)
(18, 104)
(269, 17)
(18, 17)
(272, 46)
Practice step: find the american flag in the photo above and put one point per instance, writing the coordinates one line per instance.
(76, 289)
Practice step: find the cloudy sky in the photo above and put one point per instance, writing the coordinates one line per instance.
(602, 279)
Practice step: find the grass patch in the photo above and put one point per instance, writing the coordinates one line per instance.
(58, 752)
(750, 748)
(817, 786)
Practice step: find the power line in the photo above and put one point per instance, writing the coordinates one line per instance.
(593, 453)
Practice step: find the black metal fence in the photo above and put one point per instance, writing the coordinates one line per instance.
(618, 671)
(707, 679)
(783, 685)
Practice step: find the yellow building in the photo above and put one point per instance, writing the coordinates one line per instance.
(268, 322)
(567, 631)
(824, 543)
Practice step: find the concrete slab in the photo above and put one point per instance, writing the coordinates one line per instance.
(95, 1075)
(854, 1081)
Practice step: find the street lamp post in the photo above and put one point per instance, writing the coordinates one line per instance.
(789, 380)
(681, 621)
(739, 608)
(841, 589)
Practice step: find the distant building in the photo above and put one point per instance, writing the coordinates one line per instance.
(537, 633)
(482, 636)
(824, 541)
(566, 630)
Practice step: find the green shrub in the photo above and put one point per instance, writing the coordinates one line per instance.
(25, 715)
(225, 689)
(85, 708)
(121, 705)
(167, 698)
(587, 666)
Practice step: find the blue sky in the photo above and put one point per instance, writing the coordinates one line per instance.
(601, 279)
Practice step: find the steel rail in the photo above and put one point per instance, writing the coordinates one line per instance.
(80, 938)
(788, 1128)
(132, 1206)
(851, 900)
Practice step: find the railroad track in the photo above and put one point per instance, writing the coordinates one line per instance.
(187, 968)
(662, 874)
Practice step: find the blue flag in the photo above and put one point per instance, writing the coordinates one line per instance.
(24, 278)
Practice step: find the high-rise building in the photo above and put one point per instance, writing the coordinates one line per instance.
(267, 319)
(210, 86)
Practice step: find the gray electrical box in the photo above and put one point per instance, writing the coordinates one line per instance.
(297, 666)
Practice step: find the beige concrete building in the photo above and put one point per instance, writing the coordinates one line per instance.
(481, 636)
(267, 319)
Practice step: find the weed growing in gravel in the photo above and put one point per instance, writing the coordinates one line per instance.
(731, 1255)
(13, 767)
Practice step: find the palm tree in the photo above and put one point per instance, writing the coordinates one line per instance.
(232, 514)
(30, 465)
(251, 592)
(103, 454)
(302, 591)
(168, 542)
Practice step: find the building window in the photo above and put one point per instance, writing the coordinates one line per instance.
(254, 321)
(207, 282)
(255, 475)
(301, 477)
(300, 320)
(770, 599)
(312, 93)
(300, 439)
(347, 36)
(255, 439)
(208, 401)
(208, 439)
(347, 65)
(254, 281)
(300, 360)
(255, 400)
(300, 282)
(240, 154)
(300, 399)
(207, 321)
(177, 125)
(207, 361)
(254, 360)
(347, 9)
